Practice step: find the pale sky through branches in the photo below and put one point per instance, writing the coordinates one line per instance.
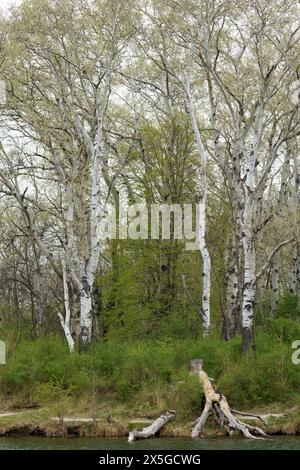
(7, 3)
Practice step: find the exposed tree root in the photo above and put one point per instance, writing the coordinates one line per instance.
(154, 428)
(248, 415)
(217, 404)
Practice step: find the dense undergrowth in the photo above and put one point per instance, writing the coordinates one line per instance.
(154, 374)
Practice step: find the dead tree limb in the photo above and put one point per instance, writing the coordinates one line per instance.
(154, 428)
(193, 302)
(217, 403)
(251, 415)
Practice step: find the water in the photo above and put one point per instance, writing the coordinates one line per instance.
(45, 443)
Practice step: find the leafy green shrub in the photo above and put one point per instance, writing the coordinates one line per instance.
(35, 362)
(157, 371)
(187, 396)
(289, 306)
(49, 392)
(261, 377)
(281, 330)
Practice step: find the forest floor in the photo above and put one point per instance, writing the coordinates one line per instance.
(43, 422)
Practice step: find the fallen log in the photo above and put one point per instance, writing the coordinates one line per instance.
(217, 403)
(154, 428)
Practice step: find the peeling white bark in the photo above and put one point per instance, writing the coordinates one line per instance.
(206, 262)
(249, 270)
(85, 315)
(251, 203)
(296, 269)
(201, 230)
(65, 322)
(232, 320)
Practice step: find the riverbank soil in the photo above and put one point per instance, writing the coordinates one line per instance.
(120, 421)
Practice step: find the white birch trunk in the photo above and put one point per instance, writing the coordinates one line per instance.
(201, 231)
(249, 256)
(206, 271)
(65, 322)
(296, 269)
(85, 316)
(232, 290)
(249, 280)
(234, 275)
(251, 206)
(96, 210)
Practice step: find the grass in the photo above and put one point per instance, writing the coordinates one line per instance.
(147, 377)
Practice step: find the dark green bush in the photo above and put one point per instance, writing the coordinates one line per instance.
(288, 306)
(124, 372)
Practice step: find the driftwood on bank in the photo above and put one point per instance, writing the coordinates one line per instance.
(217, 404)
(154, 428)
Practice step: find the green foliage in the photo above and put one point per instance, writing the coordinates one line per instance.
(289, 306)
(155, 373)
(131, 305)
(187, 396)
(49, 392)
(261, 378)
(283, 329)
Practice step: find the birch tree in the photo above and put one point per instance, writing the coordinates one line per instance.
(233, 43)
(97, 103)
(68, 53)
(256, 135)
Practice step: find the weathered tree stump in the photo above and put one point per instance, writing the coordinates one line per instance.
(217, 403)
(154, 428)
